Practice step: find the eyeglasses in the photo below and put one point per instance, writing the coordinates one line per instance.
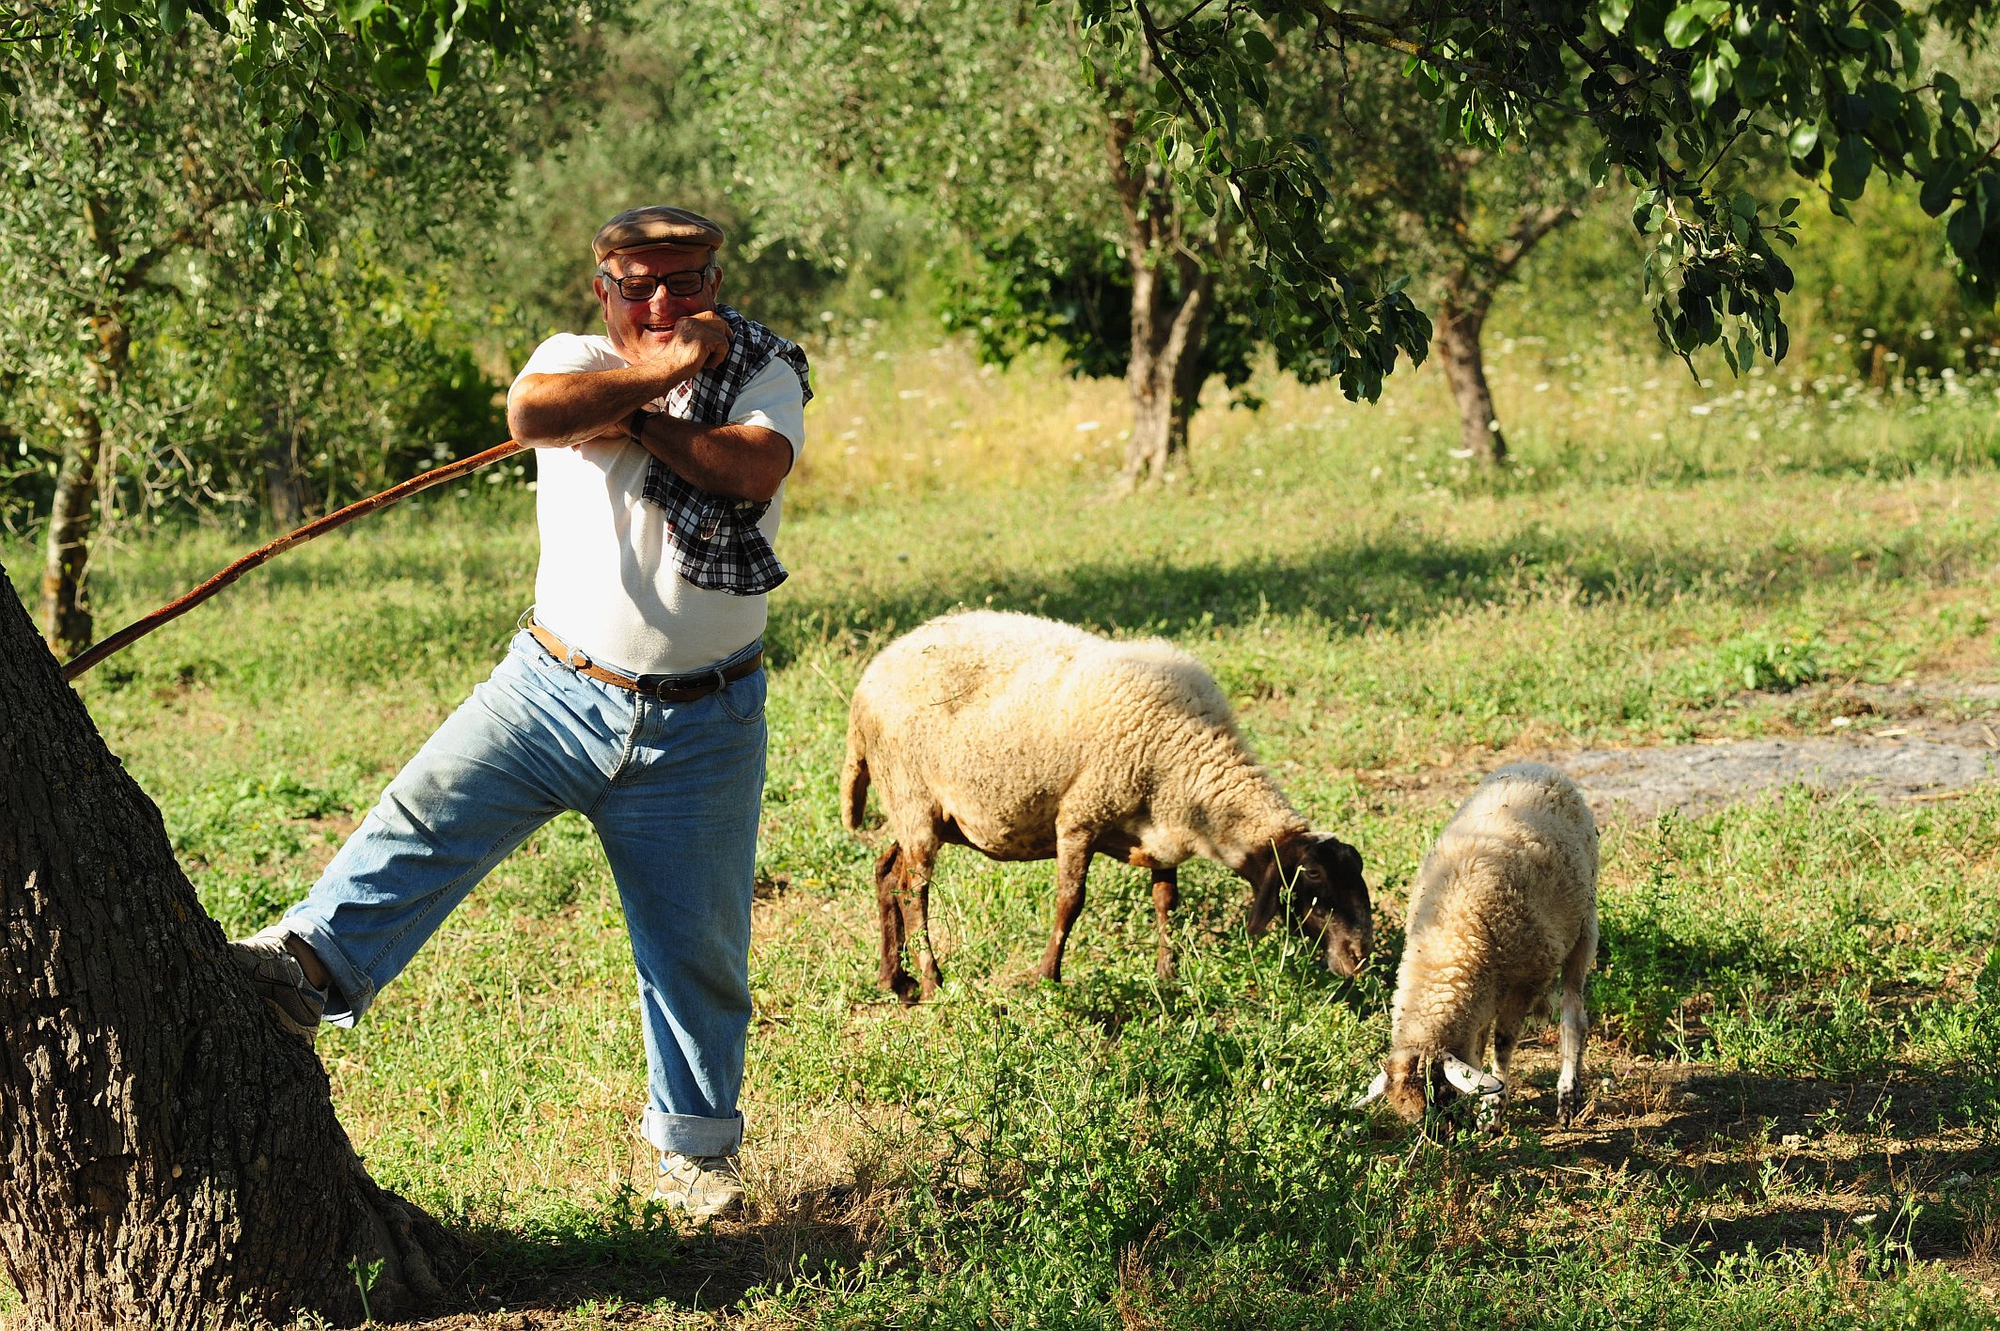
(642, 286)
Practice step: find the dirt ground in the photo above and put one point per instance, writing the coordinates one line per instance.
(1902, 742)
(1906, 743)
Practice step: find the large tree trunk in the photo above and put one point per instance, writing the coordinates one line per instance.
(1460, 322)
(171, 1156)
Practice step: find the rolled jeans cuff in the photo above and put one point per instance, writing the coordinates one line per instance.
(352, 991)
(688, 1134)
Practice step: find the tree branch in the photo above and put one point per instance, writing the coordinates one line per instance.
(1530, 229)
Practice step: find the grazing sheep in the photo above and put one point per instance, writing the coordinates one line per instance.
(1027, 739)
(1506, 898)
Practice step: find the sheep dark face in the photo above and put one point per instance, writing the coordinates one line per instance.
(1406, 1091)
(1315, 880)
(1414, 1085)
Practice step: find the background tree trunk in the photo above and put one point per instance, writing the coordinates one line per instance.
(65, 613)
(1460, 322)
(171, 1157)
(1161, 376)
(284, 490)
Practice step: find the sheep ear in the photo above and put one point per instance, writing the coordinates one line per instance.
(1264, 902)
(1468, 1079)
(1373, 1093)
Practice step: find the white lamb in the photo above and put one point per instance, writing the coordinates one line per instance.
(1506, 898)
(1027, 739)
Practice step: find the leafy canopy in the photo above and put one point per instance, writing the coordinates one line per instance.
(1667, 92)
(308, 75)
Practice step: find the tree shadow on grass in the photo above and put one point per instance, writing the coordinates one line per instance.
(1347, 586)
(639, 1255)
(1741, 1160)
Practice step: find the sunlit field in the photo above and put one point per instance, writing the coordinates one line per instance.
(1793, 1101)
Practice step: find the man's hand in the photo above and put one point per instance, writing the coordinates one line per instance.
(704, 337)
(558, 410)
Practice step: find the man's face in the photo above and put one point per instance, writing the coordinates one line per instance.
(639, 327)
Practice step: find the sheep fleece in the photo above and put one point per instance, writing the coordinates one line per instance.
(1497, 905)
(1014, 727)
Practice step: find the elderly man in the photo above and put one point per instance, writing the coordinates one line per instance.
(634, 693)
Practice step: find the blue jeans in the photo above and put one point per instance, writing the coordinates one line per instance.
(673, 790)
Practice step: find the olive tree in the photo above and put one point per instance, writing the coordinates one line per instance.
(1663, 93)
(1462, 217)
(158, 238)
(173, 1158)
(1036, 149)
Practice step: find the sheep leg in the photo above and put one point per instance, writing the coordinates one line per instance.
(888, 891)
(1072, 863)
(917, 910)
(1166, 895)
(1513, 1010)
(1575, 1023)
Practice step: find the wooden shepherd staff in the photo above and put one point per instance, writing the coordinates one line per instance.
(138, 629)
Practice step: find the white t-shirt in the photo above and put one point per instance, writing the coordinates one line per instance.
(607, 582)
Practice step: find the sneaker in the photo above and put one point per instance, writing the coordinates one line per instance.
(706, 1187)
(279, 979)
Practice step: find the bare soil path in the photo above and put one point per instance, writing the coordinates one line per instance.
(1900, 743)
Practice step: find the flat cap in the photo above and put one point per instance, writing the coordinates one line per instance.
(652, 227)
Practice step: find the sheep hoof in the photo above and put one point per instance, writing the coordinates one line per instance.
(1565, 1106)
(904, 986)
(1165, 968)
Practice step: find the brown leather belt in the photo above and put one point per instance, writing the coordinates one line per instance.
(667, 688)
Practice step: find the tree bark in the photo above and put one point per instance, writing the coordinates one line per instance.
(66, 622)
(1461, 320)
(1161, 376)
(1459, 325)
(1169, 319)
(171, 1157)
(284, 491)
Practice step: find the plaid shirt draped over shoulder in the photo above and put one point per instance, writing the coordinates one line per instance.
(715, 540)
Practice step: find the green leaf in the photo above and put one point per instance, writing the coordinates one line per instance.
(1852, 161)
(1706, 85)
(398, 70)
(1937, 194)
(1963, 232)
(1803, 136)
(1687, 24)
(173, 16)
(1259, 46)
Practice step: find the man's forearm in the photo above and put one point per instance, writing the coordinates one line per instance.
(557, 410)
(735, 461)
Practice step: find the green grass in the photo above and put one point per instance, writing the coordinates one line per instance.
(1795, 1015)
